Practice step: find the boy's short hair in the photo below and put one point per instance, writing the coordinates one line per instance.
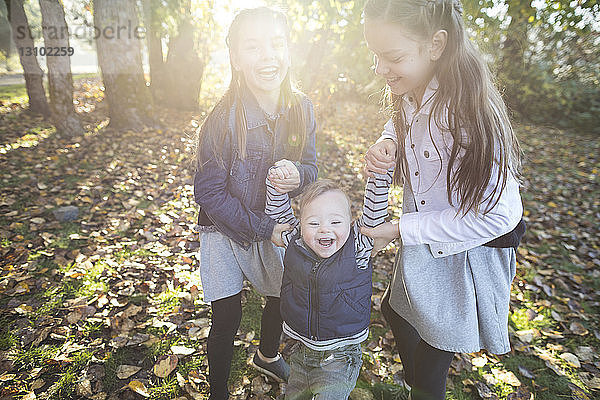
(317, 188)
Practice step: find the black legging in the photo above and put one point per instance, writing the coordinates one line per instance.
(425, 367)
(226, 317)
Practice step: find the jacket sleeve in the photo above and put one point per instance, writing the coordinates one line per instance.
(307, 166)
(212, 194)
(444, 226)
(389, 132)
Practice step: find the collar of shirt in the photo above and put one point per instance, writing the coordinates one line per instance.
(255, 115)
(410, 105)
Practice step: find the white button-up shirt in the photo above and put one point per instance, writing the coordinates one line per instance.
(437, 223)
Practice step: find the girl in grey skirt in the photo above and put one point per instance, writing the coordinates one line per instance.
(458, 161)
(260, 120)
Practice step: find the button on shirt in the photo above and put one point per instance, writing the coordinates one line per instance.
(438, 223)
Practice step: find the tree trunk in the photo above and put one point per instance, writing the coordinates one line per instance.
(185, 67)
(512, 62)
(34, 75)
(314, 61)
(120, 59)
(5, 31)
(155, 53)
(60, 80)
(516, 34)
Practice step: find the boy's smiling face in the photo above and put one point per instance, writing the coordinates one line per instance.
(325, 223)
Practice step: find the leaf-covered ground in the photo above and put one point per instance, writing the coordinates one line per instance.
(109, 306)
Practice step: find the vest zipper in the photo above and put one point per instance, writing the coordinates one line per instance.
(313, 328)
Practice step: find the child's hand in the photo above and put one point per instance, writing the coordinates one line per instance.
(285, 177)
(276, 235)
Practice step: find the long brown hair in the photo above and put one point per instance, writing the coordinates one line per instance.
(467, 93)
(216, 124)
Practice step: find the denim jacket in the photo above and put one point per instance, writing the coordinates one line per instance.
(233, 196)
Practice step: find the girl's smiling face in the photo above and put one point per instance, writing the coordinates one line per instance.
(261, 54)
(325, 223)
(406, 62)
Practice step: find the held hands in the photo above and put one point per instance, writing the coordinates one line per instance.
(276, 235)
(380, 157)
(382, 234)
(284, 176)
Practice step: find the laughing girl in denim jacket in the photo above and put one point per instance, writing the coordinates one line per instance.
(260, 121)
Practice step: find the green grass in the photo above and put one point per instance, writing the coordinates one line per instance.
(126, 253)
(54, 297)
(7, 338)
(239, 365)
(167, 300)
(159, 389)
(376, 331)
(161, 347)
(92, 329)
(164, 389)
(557, 386)
(65, 385)
(124, 355)
(251, 317)
(34, 356)
(62, 236)
(520, 320)
(252, 312)
(196, 363)
(13, 93)
(383, 391)
(22, 228)
(17, 93)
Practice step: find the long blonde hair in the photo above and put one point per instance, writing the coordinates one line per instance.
(466, 91)
(216, 124)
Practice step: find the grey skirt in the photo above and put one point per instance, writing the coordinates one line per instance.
(457, 303)
(224, 265)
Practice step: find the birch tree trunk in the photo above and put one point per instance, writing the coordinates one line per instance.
(118, 43)
(60, 80)
(34, 75)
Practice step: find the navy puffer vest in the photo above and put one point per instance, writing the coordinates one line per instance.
(323, 299)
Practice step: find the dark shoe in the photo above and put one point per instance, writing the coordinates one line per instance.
(278, 370)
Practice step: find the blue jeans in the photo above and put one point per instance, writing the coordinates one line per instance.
(323, 375)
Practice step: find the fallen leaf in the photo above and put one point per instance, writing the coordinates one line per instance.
(526, 373)
(165, 365)
(578, 329)
(125, 371)
(571, 359)
(182, 350)
(139, 388)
